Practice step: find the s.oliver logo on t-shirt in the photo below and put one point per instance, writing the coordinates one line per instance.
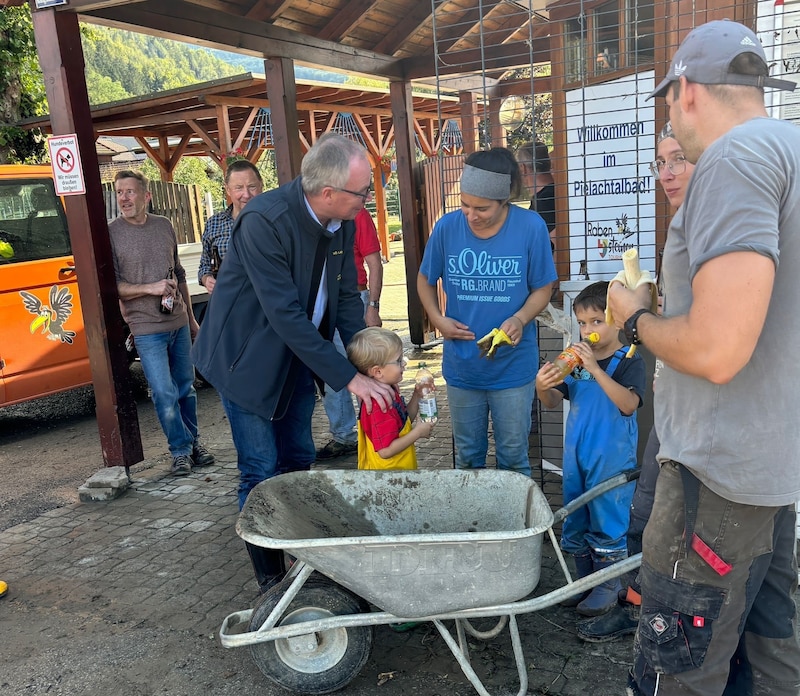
(469, 270)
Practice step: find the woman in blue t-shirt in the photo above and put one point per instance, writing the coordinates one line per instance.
(496, 268)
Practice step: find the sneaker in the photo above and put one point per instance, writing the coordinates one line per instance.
(181, 465)
(201, 456)
(335, 449)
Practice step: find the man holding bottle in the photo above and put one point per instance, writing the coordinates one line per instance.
(155, 303)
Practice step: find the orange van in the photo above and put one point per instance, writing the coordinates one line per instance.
(42, 343)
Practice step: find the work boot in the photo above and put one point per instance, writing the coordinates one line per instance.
(583, 567)
(268, 566)
(602, 598)
(622, 620)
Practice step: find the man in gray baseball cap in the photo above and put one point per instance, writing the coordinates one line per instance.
(718, 572)
(707, 53)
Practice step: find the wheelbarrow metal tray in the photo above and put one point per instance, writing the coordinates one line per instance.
(414, 543)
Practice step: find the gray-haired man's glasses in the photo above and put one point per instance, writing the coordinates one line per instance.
(677, 166)
(363, 195)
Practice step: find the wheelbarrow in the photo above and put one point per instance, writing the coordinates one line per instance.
(379, 548)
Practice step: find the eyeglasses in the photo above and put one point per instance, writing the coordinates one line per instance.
(677, 166)
(402, 362)
(362, 195)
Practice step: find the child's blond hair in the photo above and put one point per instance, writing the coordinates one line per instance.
(373, 346)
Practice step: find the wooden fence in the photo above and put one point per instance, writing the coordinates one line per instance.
(182, 204)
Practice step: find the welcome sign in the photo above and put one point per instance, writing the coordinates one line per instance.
(611, 192)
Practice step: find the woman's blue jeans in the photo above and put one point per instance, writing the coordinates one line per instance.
(170, 374)
(266, 448)
(511, 422)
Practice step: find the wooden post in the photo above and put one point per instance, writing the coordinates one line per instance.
(58, 44)
(468, 106)
(403, 116)
(282, 95)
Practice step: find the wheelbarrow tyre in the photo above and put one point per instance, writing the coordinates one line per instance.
(341, 653)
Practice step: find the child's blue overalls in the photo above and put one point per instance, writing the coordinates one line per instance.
(600, 442)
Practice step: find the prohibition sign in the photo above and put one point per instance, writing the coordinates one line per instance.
(64, 160)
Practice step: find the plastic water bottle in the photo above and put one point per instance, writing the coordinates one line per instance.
(428, 410)
(568, 360)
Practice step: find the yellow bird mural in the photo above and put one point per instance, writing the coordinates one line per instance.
(51, 319)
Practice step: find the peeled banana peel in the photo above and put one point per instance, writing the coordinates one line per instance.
(632, 276)
(492, 341)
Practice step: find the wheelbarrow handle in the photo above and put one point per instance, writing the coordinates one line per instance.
(603, 487)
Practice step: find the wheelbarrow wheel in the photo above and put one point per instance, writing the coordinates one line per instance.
(332, 659)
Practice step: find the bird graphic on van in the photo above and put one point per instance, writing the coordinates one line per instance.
(51, 319)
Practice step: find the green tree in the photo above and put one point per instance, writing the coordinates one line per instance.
(21, 87)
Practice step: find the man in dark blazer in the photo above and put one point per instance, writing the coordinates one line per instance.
(287, 283)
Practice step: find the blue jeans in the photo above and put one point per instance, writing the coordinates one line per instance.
(511, 421)
(266, 448)
(339, 405)
(170, 374)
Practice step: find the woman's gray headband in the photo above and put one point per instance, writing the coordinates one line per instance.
(485, 184)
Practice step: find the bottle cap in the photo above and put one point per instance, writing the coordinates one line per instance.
(593, 337)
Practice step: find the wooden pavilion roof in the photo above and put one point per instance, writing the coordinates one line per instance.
(390, 39)
(190, 119)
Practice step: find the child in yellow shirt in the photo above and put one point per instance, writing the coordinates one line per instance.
(386, 440)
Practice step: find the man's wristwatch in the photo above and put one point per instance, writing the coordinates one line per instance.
(630, 326)
(375, 303)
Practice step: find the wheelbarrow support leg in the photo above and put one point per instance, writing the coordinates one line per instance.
(463, 658)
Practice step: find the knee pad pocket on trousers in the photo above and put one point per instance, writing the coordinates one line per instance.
(676, 622)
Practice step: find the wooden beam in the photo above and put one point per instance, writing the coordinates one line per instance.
(285, 131)
(309, 106)
(91, 5)
(468, 104)
(345, 19)
(454, 31)
(405, 154)
(181, 21)
(242, 134)
(499, 57)
(58, 45)
(410, 24)
(266, 10)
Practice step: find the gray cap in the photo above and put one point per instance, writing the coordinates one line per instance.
(705, 56)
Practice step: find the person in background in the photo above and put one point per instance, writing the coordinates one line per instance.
(719, 570)
(287, 283)
(386, 439)
(601, 437)
(339, 405)
(150, 280)
(672, 171)
(534, 162)
(242, 182)
(496, 268)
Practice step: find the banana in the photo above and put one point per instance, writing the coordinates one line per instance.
(492, 341)
(632, 276)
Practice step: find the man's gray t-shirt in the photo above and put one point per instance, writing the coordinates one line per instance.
(741, 439)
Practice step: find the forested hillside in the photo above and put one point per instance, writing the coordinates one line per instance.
(122, 64)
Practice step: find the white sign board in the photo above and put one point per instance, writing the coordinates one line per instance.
(65, 161)
(778, 29)
(610, 144)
